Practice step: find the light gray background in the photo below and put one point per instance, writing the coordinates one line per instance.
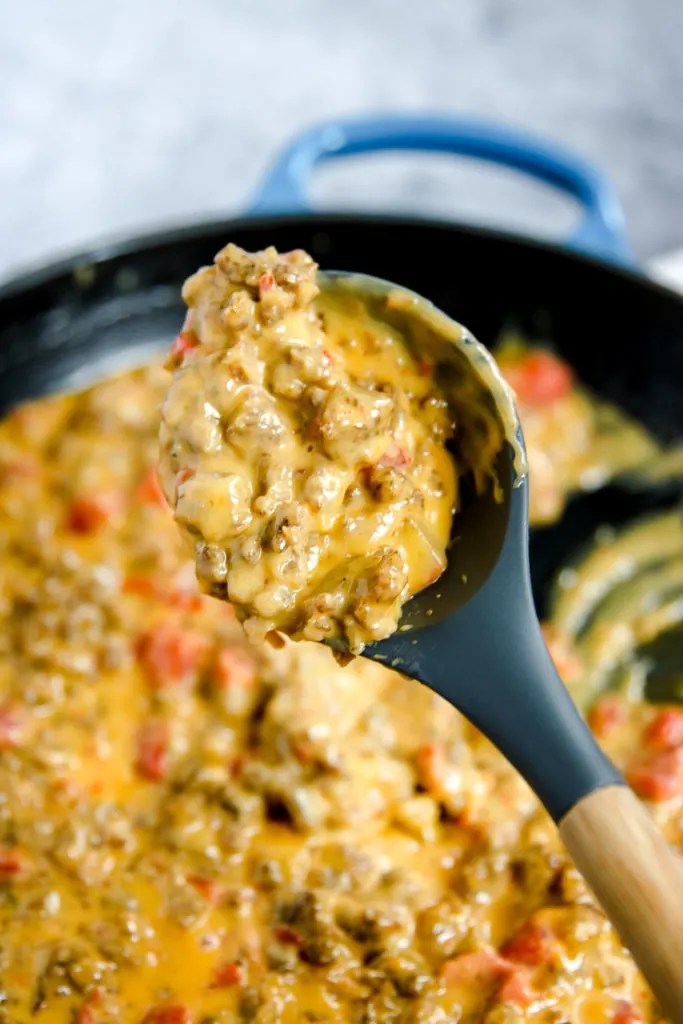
(115, 117)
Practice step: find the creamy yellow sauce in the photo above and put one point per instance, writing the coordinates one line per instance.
(198, 830)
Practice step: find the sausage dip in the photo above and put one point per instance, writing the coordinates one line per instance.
(195, 829)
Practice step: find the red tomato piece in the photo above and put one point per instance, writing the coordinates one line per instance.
(436, 773)
(396, 457)
(479, 968)
(86, 1013)
(625, 1014)
(12, 724)
(185, 600)
(228, 975)
(234, 679)
(10, 864)
(206, 886)
(170, 1013)
(538, 378)
(235, 667)
(171, 655)
(424, 367)
(516, 989)
(182, 477)
(606, 715)
(287, 936)
(565, 660)
(266, 282)
(532, 945)
(25, 467)
(326, 358)
(152, 751)
(144, 586)
(656, 777)
(185, 342)
(665, 731)
(148, 491)
(141, 585)
(90, 513)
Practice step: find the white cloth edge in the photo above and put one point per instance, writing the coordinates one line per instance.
(668, 269)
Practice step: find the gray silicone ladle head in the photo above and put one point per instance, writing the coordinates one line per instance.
(474, 636)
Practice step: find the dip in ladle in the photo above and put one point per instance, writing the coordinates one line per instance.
(474, 638)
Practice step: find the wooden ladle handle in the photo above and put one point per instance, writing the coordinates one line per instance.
(638, 879)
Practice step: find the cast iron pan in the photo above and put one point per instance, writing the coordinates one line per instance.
(68, 324)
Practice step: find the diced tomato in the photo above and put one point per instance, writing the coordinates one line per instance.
(170, 1013)
(152, 751)
(538, 378)
(10, 864)
(182, 476)
(266, 282)
(171, 655)
(396, 457)
(665, 731)
(516, 989)
(12, 725)
(228, 975)
(287, 936)
(424, 366)
(86, 1013)
(479, 968)
(436, 774)
(148, 491)
(532, 945)
(89, 513)
(606, 715)
(303, 749)
(25, 467)
(657, 777)
(235, 667)
(143, 586)
(625, 1014)
(185, 600)
(565, 660)
(326, 358)
(486, 969)
(185, 342)
(234, 679)
(206, 886)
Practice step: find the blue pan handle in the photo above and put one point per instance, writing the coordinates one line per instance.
(600, 232)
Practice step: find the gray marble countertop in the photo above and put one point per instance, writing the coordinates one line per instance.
(120, 117)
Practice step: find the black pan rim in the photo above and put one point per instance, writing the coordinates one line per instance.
(114, 247)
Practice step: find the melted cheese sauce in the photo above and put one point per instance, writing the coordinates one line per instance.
(195, 830)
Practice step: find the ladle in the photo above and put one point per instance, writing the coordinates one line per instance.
(474, 638)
